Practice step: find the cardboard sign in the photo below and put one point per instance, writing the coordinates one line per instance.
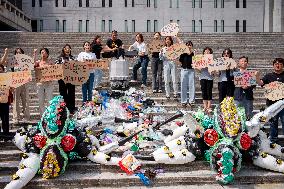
(221, 64)
(174, 51)
(171, 29)
(5, 79)
(129, 164)
(75, 72)
(49, 73)
(155, 46)
(201, 61)
(274, 91)
(20, 78)
(97, 64)
(24, 62)
(4, 93)
(243, 79)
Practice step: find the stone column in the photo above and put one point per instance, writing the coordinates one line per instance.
(268, 16)
(277, 14)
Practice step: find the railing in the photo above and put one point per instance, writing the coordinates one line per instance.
(15, 15)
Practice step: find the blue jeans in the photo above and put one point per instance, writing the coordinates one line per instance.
(170, 73)
(274, 126)
(248, 105)
(98, 75)
(142, 62)
(87, 88)
(187, 85)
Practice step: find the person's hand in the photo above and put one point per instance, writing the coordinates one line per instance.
(245, 87)
(6, 50)
(257, 74)
(35, 50)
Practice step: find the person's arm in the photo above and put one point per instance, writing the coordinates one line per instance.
(4, 57)
(35, 59)
(258, 80)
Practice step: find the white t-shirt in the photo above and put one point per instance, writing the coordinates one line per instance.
(140, 47)
(87, 56)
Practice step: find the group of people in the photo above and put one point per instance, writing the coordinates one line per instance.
(161, 67)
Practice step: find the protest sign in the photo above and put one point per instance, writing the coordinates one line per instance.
(274, 91)
(171, 29)
(97, 64)
(155, 46)
(4, 94)
(24, 62)
(174, 51)
(221, 64)
(5, 79)
(20, 78)
(75, 72)
(201, 61)
(246, 78)
(49, 73)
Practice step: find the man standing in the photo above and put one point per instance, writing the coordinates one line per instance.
(276, 75)
(114, 46)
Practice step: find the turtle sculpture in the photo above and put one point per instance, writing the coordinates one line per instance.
(222, 139)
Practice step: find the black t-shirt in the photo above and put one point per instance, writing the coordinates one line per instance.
(186, 60)
(271, 77)
(97, 48)
(112, 44)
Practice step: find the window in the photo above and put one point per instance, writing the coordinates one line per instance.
(109, 25)
(125, 3)
(215, 26)
(87, 3)
(222, 4)
(193, 3)
(200, 25)
(148, 3)
(244, 26)
(178, 21)
(110, 5)
(103, 26)
(64, 3)
(171, 21)
(155, 4)
(132, 3)
(215, 4)
(222, 25)
(40, 3)
(244, 3)
(177, 3)
(80, 26)
(237, 3)
(33, 3)
(80, 3)
(133, 25)
(40, 25)
(171, 3)
(57, 26)
(64, 26)
(125, 26)
(87, 25)
(237, 26)
(193, 25)
(103, 3)
(200, 4)
(148, 25)
(155, 25)
(56, 3)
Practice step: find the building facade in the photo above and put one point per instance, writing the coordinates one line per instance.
(206, 16)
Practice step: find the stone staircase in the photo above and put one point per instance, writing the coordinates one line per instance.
(261, 48)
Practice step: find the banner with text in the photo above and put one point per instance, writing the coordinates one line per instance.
(24, 62)
(200, 61)
(97, 64)
(49, 73)
(155, 46)
(4, 94)
(174, 51)
(274, 91)
(243, 79)
(75, 72)
(222, 64)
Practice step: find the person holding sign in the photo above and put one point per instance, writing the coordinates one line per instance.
(21, 93)
(87, 88)
(114, 46)
(67, 90)
(45, 89)
(187, 76)
(157, 68)
(3, 60)
(4, 109)
(206, 83)
(169, 68)
(225, 83)
(143, 59)
(276, 75)
(244, 95)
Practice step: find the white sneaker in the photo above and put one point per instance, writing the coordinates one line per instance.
(143, 86)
